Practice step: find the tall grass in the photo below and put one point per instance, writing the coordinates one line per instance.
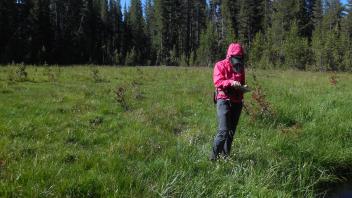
(73, 132)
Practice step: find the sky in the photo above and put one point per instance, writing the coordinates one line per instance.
(128, 2)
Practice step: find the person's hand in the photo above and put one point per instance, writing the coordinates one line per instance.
(236, 84)
(245, 89)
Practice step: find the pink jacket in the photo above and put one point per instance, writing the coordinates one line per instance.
(224, 75)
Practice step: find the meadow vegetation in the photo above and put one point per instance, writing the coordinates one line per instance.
(89, 131)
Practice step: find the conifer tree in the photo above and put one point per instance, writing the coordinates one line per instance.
(174, 32)
(246, 21)
(229, 11)
(150, 32)
(296, 49)
(317, 38)
(348, 19)
(7, 23)
(115, 31)
(347, 38)
(136, 24)
(208, 52)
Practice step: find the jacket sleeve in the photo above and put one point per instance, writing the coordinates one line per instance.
(243, 78)
(219, 78)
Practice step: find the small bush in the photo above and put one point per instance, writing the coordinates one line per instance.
(333, 79)
(259, 108)
(11, 76)
(50, 74)
(96, 75)
(21, 73)
(121, 98)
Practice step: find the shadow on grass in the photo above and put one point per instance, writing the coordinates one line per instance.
(341, 187)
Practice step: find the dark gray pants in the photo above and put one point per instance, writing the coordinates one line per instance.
(228, 115)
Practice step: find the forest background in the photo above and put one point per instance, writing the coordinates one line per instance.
(302, 34)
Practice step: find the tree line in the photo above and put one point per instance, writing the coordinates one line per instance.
(301, 34)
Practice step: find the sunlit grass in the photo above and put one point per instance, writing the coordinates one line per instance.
(64, 133)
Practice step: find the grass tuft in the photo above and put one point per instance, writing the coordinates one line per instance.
(88, 131)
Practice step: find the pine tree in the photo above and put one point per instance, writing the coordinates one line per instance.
(348, 19)
(330, 46)
(168, 25)
(126, 39)
(317, 38)
(208, 51)
(136, 20)
(333, 15)
(262, 10)
(7, 23)
(296, 49)
(347, 38)
(131, 57)
(150, 32)
(115, 31)
(257, 50)
(44, 33)
(318, 50)
(317, 14)
(220, 19)
(191, 24)
(246, 21)
(171, 32)
(33, 34)
(277, 31)
(229, 19)
(301, 14)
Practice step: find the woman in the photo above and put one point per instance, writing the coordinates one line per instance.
(229, 80)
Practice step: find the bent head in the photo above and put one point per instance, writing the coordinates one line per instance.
(235, 57)
(237, 63)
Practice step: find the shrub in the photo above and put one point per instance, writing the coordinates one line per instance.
(96, 75)
(120, 98)
(21, 73)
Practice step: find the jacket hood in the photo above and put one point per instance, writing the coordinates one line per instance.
(235, 49)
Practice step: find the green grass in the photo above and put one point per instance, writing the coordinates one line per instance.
(63, 133)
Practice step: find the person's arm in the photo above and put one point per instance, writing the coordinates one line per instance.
(243, 77)
(219, 78)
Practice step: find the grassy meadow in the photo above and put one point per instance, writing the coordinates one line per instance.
(90, 131)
